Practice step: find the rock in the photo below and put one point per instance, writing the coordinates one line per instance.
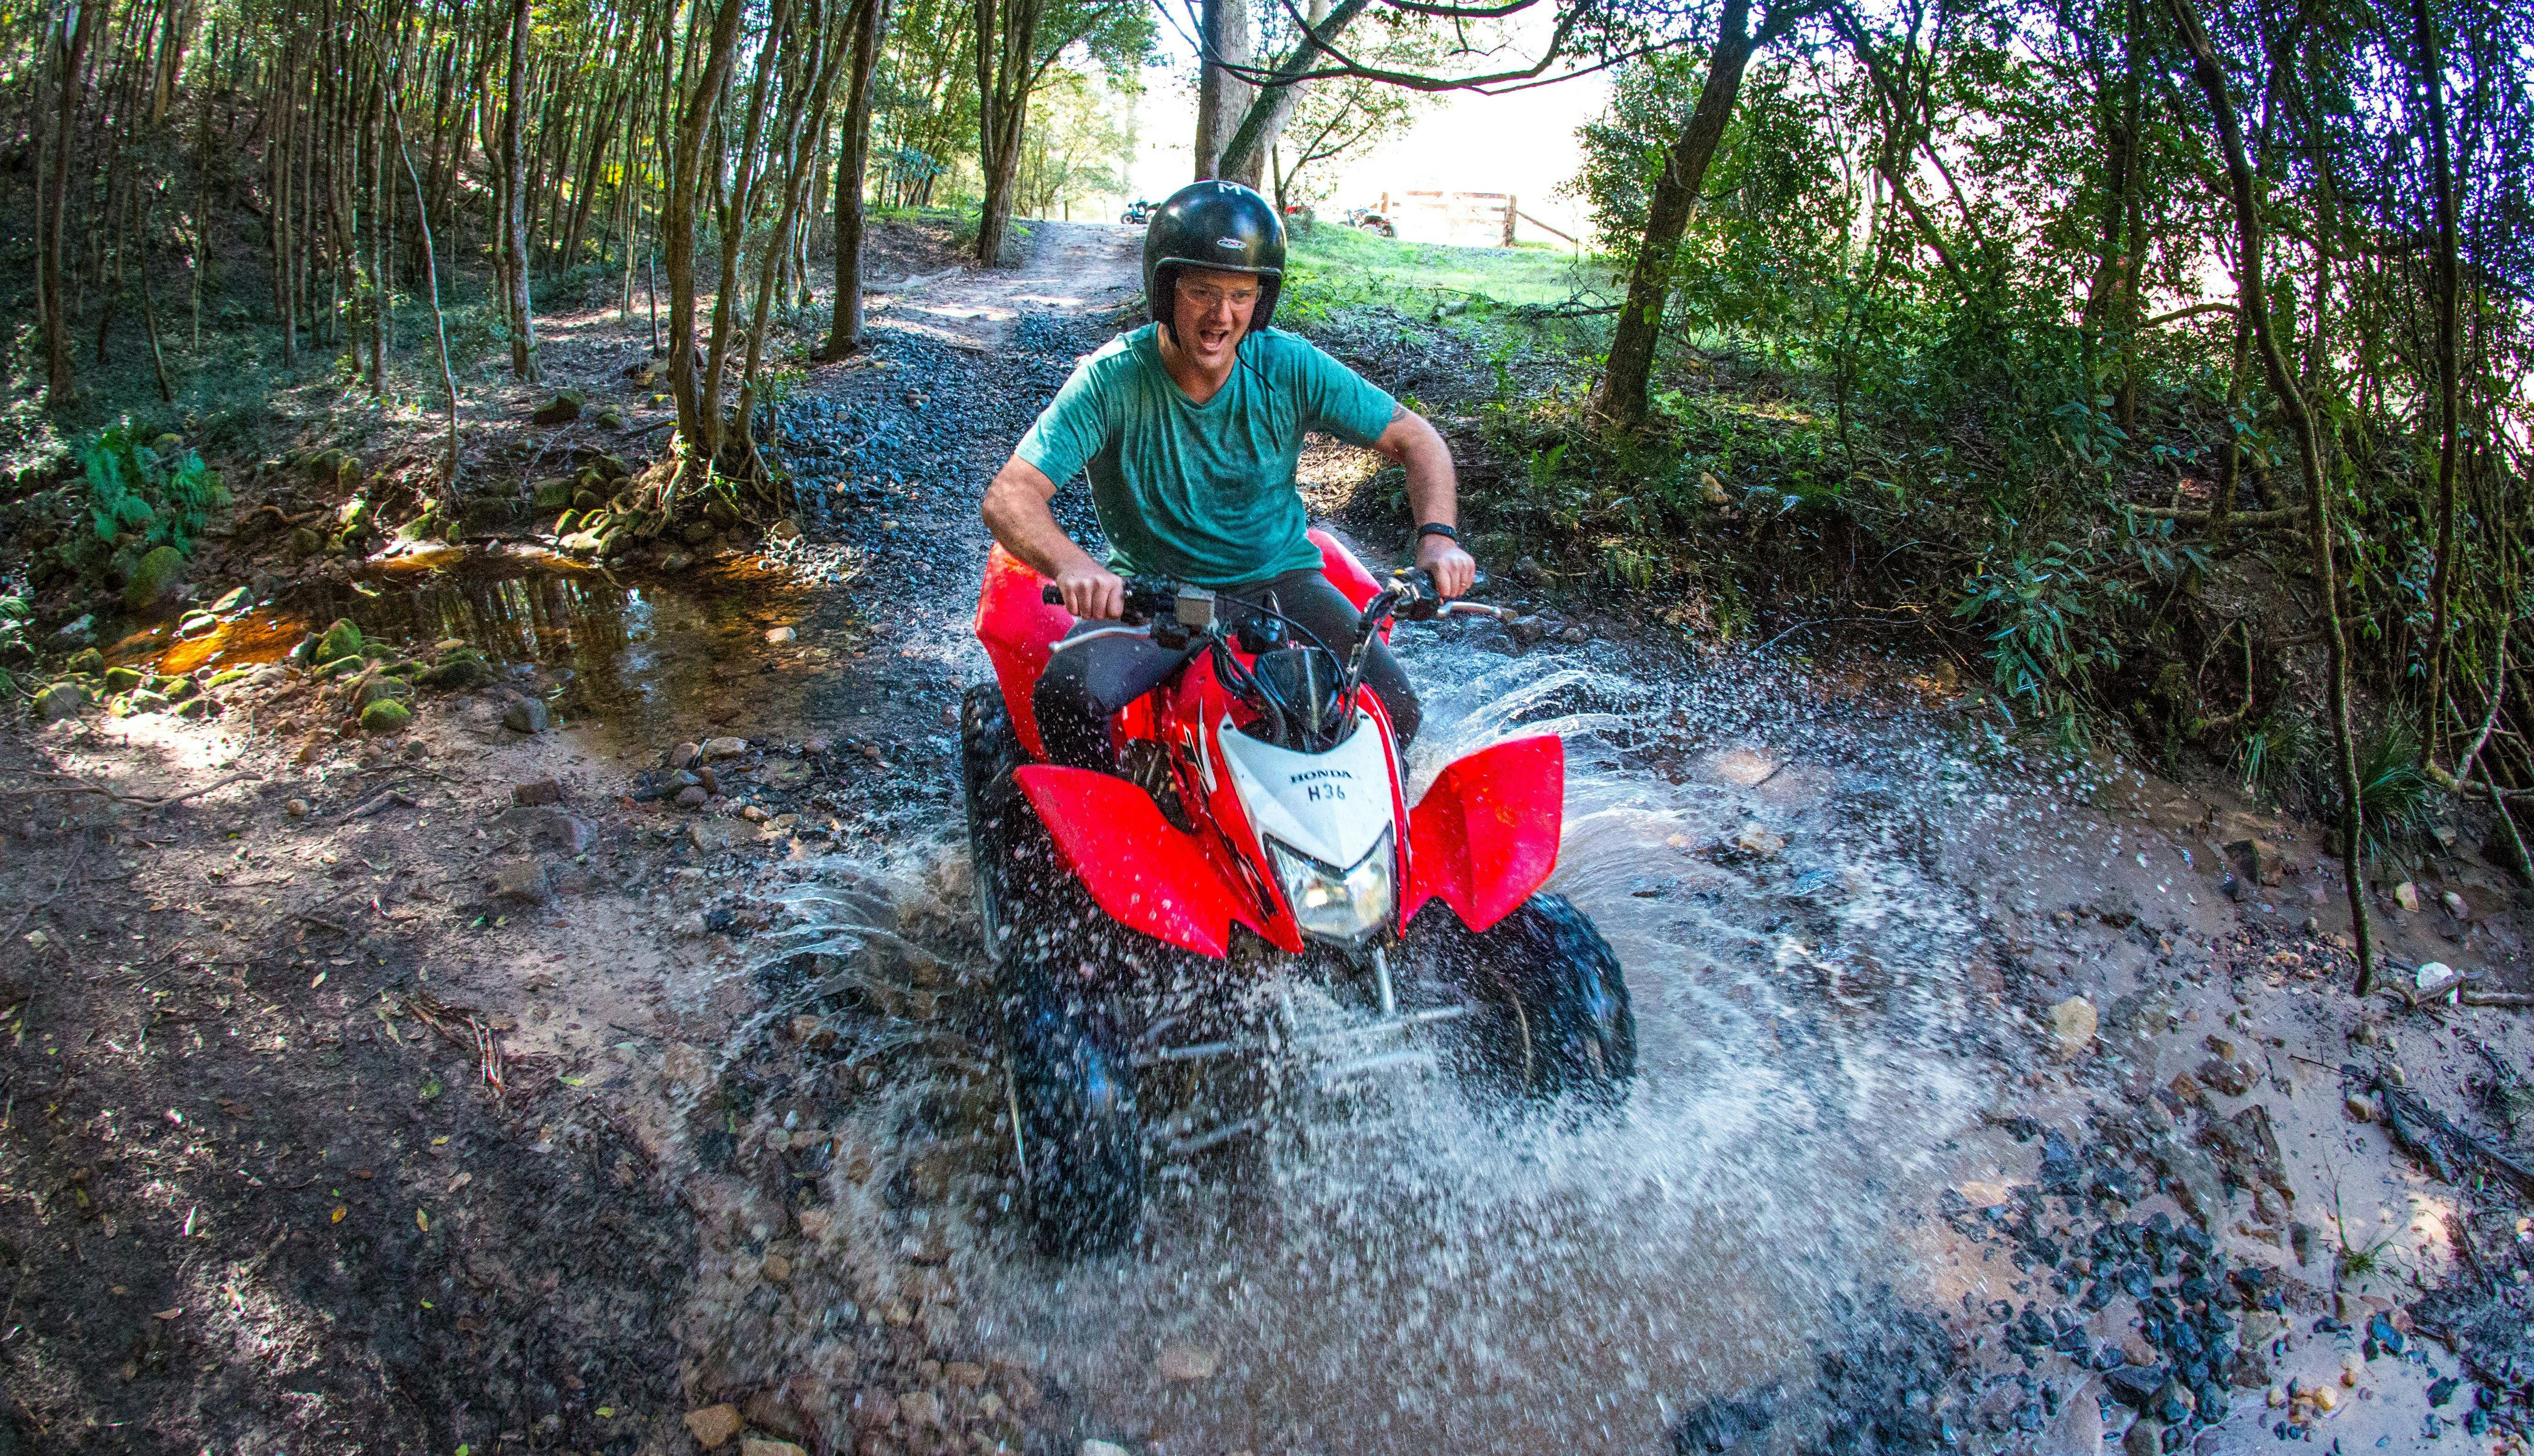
(525, 715)
(2145, 1439)
(553, 493)
(235, 599)
(90, 662)
(60, 700)
(758, 1446)
(1755, 839)
(1185, 1363)
(2407, 895)
(523, 881)
(2233, 1078)
(196, 624)
(781, 634)
(676, 560)
(1528, 632)
(296, 809)
(2434, 976)
(713, 1426)
(550, 826)
(776, 1268)
(2455, 904)
(561, 410)
(692, 796)
(921, 1410)
(386, 716)
(154, 579)
(724, 748)
(2250, 1149)
(305, 541)
(1711, 489)
(2135, 1385)
(122, 678)
(2360, 1107)
(340, 640)
(784, 529)
(1527, 570)
(1575, 635)
(537, 791)
(381, 688)
(79, 632)
(712, 835)
(2072, 1023)
(2221, 1048)
(684, 755)
(1103, 1448)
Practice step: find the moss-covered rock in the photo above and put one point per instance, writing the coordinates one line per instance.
(194, 707)
(561, 410)
(342, 639)
(86, 660)
(306, 541)
(553, 493)
(568, 522)
(60, 700)
(234, 674)
(198, 623)
(382, 688)
(386, 716)
(235, 599)
(122, 678)
(342, 666)
(155, 578)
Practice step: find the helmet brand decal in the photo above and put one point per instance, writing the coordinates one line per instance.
(1228, 245)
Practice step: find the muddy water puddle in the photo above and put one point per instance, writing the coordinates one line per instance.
(1421, 1271)
(647, 655)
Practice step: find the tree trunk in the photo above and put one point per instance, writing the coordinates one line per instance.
(73, 52)
(1248, 151)
(2440, 585)
(1621, 400)
(2254, 299)
(852, 161)
(686, 177)
(524, 323)
(1222, 97)
(1006, 69)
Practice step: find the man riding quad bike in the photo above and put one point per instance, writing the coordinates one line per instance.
(1188, 818)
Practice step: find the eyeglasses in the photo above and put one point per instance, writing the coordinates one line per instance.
(1208, 296)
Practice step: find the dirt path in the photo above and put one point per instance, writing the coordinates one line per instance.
(458, 1088)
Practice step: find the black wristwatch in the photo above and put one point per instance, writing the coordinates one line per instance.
(1437, 528)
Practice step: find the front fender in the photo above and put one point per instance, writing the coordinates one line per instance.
(1146, 874)
(1485, 836)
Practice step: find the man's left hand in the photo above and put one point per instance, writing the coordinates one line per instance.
(1453, 571)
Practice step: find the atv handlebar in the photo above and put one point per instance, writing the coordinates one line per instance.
(1147, 597)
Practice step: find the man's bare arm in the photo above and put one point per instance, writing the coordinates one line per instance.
(1017, 511)
(1432, 495)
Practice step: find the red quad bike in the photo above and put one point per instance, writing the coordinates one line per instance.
(1183, 944)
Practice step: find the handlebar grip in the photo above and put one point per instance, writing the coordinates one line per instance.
(1052, 595)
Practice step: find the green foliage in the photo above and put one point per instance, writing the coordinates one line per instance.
(14, 648)
(151, 499)
(2042, 612)
(2394, 788)
(2275, 755)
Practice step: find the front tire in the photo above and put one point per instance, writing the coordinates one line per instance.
(1078, 1135)
(1550, 1016)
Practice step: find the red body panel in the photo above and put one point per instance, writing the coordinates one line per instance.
(1145, 874)
(1019, 630)
(1485, 836)
(1343, 571)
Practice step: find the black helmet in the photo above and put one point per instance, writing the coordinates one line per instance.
(1219, 226)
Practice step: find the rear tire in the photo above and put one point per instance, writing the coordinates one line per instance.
(1008, 850)
(1550, 1014)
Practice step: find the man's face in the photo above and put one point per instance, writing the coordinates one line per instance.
(1214, 310)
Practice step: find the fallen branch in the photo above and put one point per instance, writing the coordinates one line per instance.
(2426, 1135)
(2287, 519)
(144, 805)
(2510, 999)
(386, 799)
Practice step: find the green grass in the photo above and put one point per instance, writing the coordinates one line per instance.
(1336, 266)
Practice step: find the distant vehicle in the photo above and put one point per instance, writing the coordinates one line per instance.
(1370, 221)
(1138, 210)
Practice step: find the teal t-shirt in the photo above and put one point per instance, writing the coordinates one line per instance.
(1202, 493)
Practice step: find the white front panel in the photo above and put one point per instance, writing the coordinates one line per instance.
(1330, 806)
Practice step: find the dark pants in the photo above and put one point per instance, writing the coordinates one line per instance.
(1099, 668)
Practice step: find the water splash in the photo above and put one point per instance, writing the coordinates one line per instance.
(1419, 1270)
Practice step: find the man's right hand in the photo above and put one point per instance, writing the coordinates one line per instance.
(1092, 592)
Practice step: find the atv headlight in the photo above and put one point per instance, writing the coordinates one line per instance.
(1337, 904)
